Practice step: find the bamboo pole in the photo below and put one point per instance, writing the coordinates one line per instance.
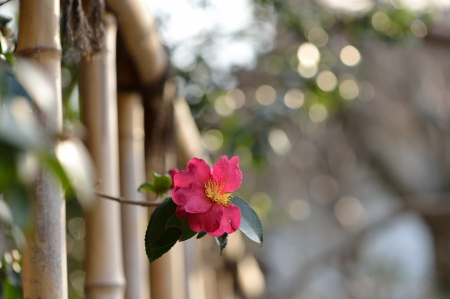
(44, 260)
(189, 145)
(168, 273)
(149, 60)
(187, 135)
(140, 38)
(97, 81)
(134, 218)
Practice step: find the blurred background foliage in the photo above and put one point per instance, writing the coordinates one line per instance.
(291, 66)
(310, 70)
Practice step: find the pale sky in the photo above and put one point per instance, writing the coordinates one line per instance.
(186, 25)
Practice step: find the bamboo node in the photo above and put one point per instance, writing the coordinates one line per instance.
(38, 50)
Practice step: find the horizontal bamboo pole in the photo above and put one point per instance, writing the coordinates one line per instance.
(140, 38)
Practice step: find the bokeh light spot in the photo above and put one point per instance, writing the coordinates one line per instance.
(318, 113)
(381, 21)
(299, 209)
(350, 55)
(261, 201)
(212, 140)
(265, 95)
(279, 142)
(8, 258)
(307, 71)
(15, 254)
(326, 81)
(308, 54)
(235, 98)
(76, 227)
(66, 77)
(222, 107)
(349, 89)
(418, 28)
(16, 267)
(349, 211)
(318, 36)
(294, 98)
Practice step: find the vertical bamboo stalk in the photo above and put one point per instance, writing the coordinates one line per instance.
(168, 273)
(134, 218)
(189, 145)
(104, 266)
(44, 259)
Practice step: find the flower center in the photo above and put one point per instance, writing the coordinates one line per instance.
(214, 191)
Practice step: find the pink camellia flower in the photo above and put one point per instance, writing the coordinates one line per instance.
(203, 195)
(172, 174)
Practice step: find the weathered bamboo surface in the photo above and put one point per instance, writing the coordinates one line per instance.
(97, 82)
(140, 38)
(132, 174)
(44, 260)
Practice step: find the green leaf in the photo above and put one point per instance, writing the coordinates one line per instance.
(76, 166)
(201, 234)
(18, 133)
(154, 254)
(20, 205)
(221, 242)
(173, 221)
(250, 224)
(10, 58)
(157, 225)
(5, 212)
(147, 187)
(11, 291)
(170, 236)
(187, 231)
(55, 166)
(4, 20)
(161, 182)
(160, 185)
(183, 225)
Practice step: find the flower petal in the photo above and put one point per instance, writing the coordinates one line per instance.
(172, 173)
(228, 173)
(208, 221)
(199, 169)
(230, 222)
(192, 198)
(181, 212)
(182, 179)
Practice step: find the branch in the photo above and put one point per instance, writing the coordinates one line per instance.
(126, 201)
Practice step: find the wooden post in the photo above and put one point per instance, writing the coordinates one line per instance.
(44, 259)
(132, 174)
(97, 81)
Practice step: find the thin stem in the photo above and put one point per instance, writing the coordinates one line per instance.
(126, 201)
(4, 2)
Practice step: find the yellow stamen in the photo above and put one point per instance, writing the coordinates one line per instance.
(214, 191)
